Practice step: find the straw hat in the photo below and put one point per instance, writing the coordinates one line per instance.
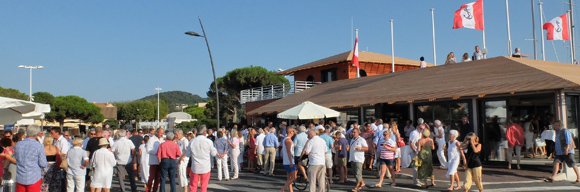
(103, 141)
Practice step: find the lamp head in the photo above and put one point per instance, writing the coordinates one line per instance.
(193, 34)
(21, 66)
(40, 67)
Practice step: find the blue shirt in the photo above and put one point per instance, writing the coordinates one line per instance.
(329, 142)
(76, 158)
(568, 141)
(271, 140)
(222, 146)
(300, 140)
(30, 161)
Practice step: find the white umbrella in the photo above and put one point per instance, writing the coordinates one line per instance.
(11, 110)
(308, 110)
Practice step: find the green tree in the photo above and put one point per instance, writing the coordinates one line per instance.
(13, 93)
(43, 97)
(195, 112)
(113, 123)
(233, 82)
(74, 107)
(145, 110)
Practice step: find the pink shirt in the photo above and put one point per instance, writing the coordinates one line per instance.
(168, 150)
(515, 135)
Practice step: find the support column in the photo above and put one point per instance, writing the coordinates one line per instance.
(474, 121)
(411, 114)
(568, 173)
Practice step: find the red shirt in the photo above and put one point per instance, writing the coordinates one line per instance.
(515, 135)
(168, 150)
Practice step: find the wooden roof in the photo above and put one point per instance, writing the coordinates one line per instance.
(368, 57)
(108, 110)
(499, 75)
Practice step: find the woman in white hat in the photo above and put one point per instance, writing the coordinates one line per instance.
(103, 163)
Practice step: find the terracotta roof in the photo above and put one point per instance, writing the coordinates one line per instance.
(499, 75)
(368, 57)
(108, 110)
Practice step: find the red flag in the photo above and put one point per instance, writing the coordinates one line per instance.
(469, 16)
(557, 28)
(355, 55)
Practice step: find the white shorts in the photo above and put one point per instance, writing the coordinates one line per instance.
(328, 160)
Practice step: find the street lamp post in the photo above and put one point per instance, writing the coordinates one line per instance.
(212, 68)
(30, 67)
(158, 119)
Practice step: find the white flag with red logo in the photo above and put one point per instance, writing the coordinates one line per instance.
(355, 55)
(469, 16)
(557, 28)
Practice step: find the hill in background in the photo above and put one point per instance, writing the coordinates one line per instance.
(178, 97)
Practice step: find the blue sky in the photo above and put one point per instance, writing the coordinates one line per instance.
(121, 50)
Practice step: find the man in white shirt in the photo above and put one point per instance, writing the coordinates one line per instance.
(182, 142)
(358, 146)
(320, 125)
(477, 55)
(107, 135)
(260, 148)
(413, 141)
(200, 150)
(439, 133)
(124, 149)
(60, 141)
(154, 169)
(379, 125)
(374, 124)
(316, 150)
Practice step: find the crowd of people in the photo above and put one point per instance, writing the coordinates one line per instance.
(313, 152)
(477, 55)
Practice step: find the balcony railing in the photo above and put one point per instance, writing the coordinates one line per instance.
(276, 91)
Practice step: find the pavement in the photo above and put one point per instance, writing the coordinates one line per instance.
(496, 177)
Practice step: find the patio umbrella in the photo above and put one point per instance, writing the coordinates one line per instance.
(11, 110)
(308, 110)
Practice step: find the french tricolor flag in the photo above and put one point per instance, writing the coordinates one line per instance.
(469, 16)
(557, 28)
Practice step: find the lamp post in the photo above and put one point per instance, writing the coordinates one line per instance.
(30, 67)
(158, 119)
(212, 68)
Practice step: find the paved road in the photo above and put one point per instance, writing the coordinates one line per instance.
(495, 179)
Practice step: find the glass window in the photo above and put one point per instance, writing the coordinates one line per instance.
(369, 114)
(572, 111)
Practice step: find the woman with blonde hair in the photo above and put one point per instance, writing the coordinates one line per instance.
(450, 58)
(397, 139)
(426, 147)
(235, 151)
(387, 157)
(454, 155)
(51, 180)
(78, 160)
(252, 150)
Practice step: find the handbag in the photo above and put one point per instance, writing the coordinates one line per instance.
(64, 163)
(401, 143)
(416, 162)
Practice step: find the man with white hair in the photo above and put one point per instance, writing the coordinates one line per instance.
(107, 135)
(260, 148)
(200, 150)
(271, 145)
(440, 139)
(316, 150)
(124, 150)
(182, 142)
(167, 155)
(30, 160)
(300, 141)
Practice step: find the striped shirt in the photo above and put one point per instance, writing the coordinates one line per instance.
(385, 153)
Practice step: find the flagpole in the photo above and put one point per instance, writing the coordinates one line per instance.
(392, 49)
(542, 29)
(572, 26)
(483, 34)
(433, 23)
(534, 31)
(570, 37)
(507, 9)
(351, 29)
(358, 66)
